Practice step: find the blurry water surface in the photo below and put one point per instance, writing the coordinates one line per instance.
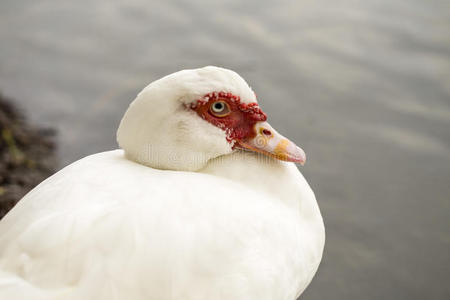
(362, 86)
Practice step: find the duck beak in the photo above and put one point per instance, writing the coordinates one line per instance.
(269, 142)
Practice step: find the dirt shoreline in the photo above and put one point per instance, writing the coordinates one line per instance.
(27, 155)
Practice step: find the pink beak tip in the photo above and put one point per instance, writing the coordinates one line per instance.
(301, 156)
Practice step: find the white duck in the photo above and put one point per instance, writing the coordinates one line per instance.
(179, 213)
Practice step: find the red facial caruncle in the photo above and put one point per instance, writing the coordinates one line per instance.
(245, 126)
(227, 112)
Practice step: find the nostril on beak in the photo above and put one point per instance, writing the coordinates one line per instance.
(266, 132)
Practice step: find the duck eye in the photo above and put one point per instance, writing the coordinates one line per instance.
(220, 109)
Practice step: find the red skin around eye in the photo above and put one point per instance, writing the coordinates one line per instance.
(239, 124)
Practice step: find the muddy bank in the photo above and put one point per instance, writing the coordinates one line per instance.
(27, 155)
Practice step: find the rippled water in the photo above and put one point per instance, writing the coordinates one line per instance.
(362, 86)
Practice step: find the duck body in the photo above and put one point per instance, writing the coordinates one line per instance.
(105, 227)
(204, 202)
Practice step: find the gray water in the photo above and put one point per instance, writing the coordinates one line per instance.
(362, 86)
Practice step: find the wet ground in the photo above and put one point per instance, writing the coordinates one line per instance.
(27, 155)
(362, 86)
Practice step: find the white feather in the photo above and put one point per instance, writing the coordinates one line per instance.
(241, 227)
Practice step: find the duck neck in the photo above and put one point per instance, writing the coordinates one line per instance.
(281, 180)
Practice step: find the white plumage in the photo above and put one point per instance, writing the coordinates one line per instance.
(201, 222)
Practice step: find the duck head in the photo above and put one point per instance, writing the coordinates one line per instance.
(183, 120)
